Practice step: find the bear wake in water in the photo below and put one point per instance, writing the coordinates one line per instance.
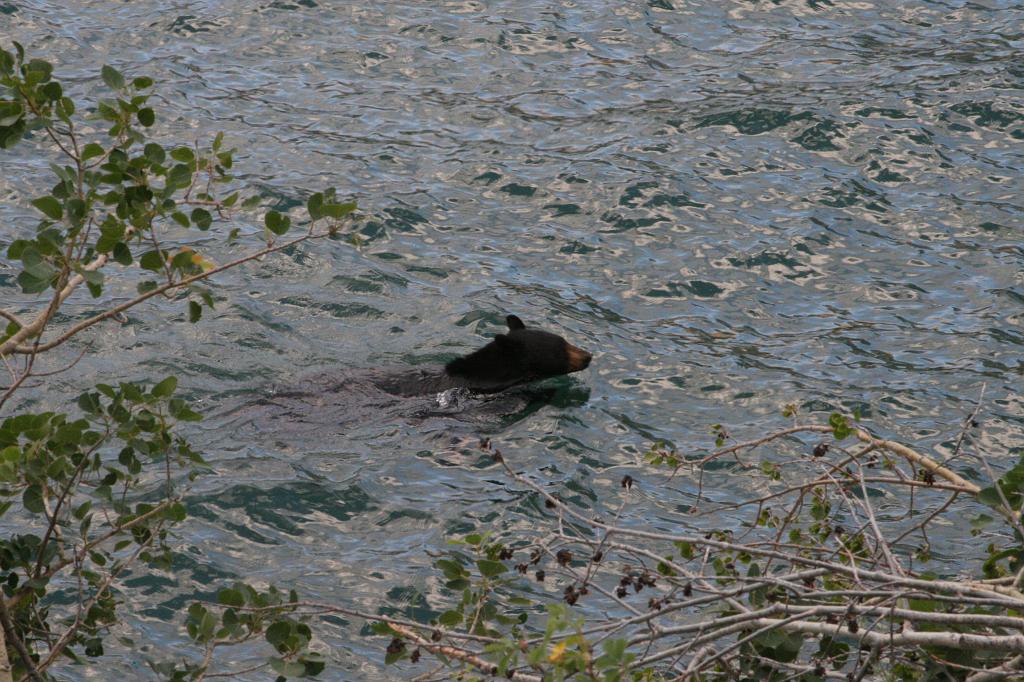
(522, 355)
(465, 389)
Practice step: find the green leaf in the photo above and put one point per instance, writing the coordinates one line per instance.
(112, 77)
(165, 388)
(450, 618)
(990, 496)
(122, 254)
(314, 664)
(180, 411)
(106, 111)
(154, 152)
(93, 277)
(278, 633)
(31, 284)
(142, 82)
(132, 392)
(177, 512)
(195, 311)
(89, 403)
(152, 260)
(382, 629)
(91, 150)
(52, 91)
(10, 113)
(49, 206)
(33, 499)
(12, 134)
(179, 176)
(202, 218)
(315, 205)
(183, 155)
(182, 260)
(35, 266)
(451, 569)
(75, 210)
(37, 71)
(217, 141)
(277, 223)
(840, 426)
(338, 211)
(489, 569)
(231, 597)
(82, 509)
(146, 117)
(66, 109)
(17, 248)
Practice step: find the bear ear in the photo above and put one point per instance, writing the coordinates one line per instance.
(514, 323)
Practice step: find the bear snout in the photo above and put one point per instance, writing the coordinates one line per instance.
(578, 358)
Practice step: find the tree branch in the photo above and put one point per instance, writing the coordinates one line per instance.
(7, 347)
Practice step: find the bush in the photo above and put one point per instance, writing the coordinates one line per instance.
(96, 490)
(818, 582)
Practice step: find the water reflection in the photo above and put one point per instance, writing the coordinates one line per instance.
(738, 205)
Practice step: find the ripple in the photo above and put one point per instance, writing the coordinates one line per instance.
(734, 205)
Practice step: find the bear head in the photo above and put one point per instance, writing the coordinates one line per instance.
(521, 355)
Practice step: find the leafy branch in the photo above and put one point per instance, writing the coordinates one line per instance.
(98, 491)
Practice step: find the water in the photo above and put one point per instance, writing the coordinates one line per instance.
(735, 205)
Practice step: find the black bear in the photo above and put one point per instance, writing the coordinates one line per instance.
(331, 403)
(522, 355)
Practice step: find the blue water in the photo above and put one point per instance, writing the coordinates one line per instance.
(734, 205)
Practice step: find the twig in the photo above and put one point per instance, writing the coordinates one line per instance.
(85, 324)
(11, 317)
(459, 655)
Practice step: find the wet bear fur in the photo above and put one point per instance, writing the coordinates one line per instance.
(521, 355)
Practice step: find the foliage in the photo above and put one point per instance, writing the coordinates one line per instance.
(818, 584)
(96, 489)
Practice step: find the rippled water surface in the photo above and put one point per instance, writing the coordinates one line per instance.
(734, 205)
